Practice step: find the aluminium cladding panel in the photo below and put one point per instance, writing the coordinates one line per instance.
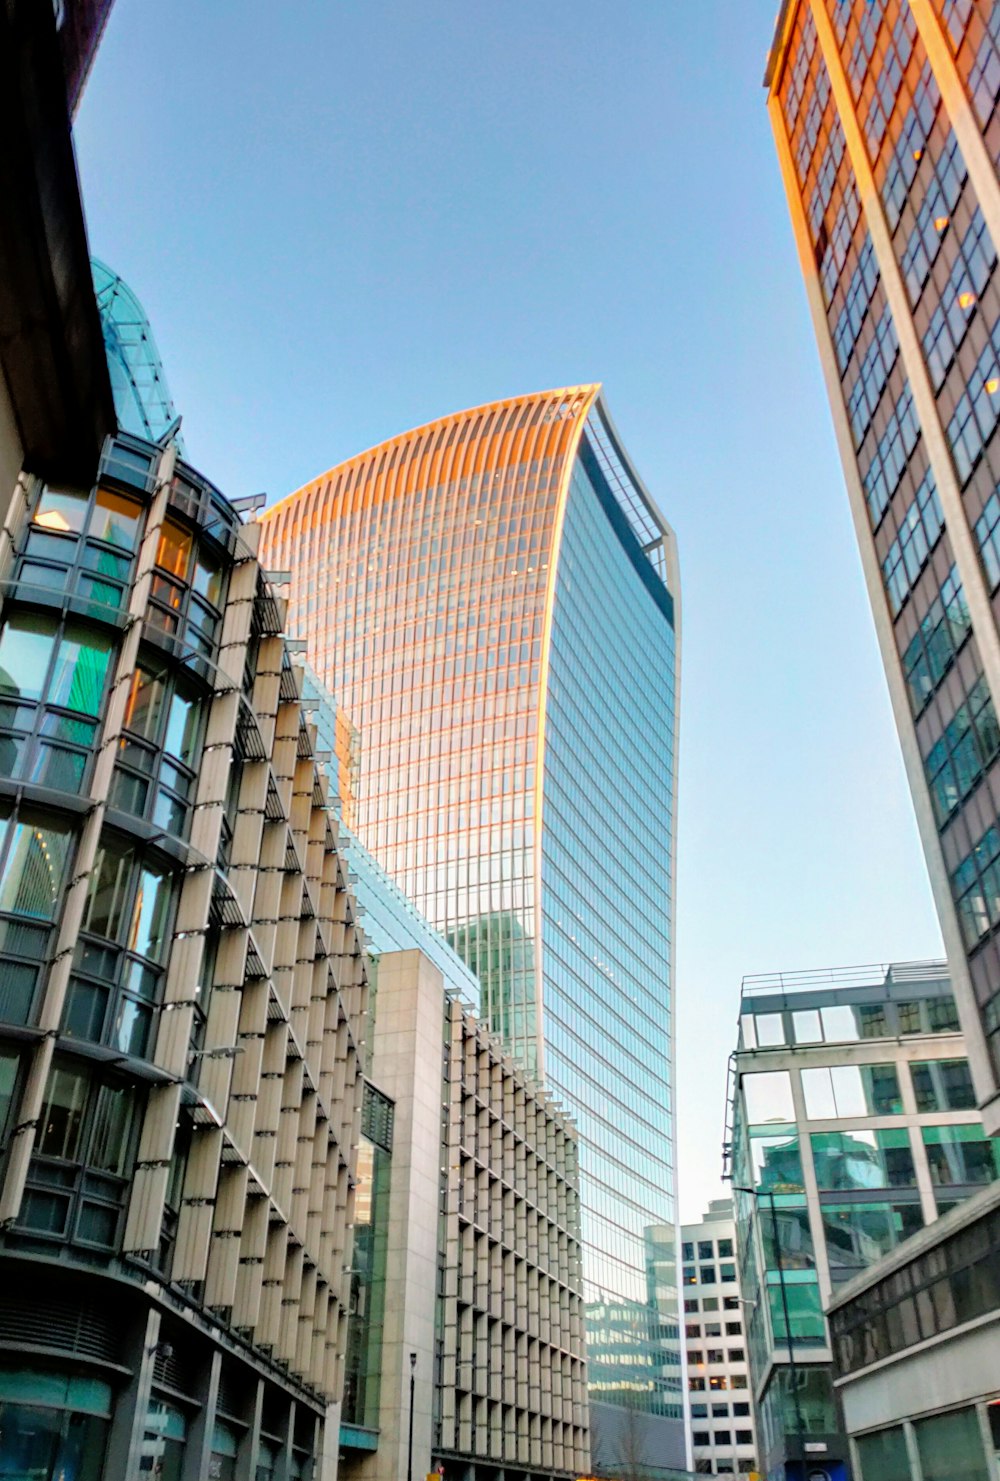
(886, 134)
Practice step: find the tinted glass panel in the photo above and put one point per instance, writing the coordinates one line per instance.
(951, 1448)
(768, 1096)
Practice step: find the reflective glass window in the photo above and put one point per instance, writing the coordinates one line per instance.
(33, 870)
(943, 1085)
(794, 1235)
(768, 1096)
(951, 1447)
(805, 1313)
(806, 1024)
(61, 1123)
(837, 1091)
(777, 1163)
(863, 1159)
(840, 1024)
(883, 1456)
(26, 644)
(960, 1154)
(859, 1234)
(174, 551)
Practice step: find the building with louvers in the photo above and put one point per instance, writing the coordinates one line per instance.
(182, 998)
(885, 119)
(494, 600)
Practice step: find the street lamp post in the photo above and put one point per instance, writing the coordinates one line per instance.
(792, 1369)
(409, 1449)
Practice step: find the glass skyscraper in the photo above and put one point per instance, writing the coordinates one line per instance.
(886, 117)
(494, 600)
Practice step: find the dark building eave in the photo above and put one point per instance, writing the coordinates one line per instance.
(51, 344)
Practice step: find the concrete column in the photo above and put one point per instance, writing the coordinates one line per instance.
(408, 1056)
(129, 1419)
(198, 1449)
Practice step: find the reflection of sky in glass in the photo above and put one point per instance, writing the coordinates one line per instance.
(421, 579)
(606, 901)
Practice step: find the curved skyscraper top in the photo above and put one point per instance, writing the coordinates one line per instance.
(494, 600)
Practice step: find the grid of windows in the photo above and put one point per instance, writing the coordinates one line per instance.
(920, 529)
(968, 744)
(933, 647)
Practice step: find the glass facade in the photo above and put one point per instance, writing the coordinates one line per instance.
(885, 117)
(138, 380)
(834, 1156)
(493, 599)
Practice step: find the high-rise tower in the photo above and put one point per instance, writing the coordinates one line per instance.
(886, 123)
(493, 598)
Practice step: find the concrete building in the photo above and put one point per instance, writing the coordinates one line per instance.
(854, 1124)
(182, 998)
(494, 598)
(916, 1346)
(722, 1427)
(886, 125)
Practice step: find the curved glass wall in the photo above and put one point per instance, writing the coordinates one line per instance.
(606, 914)
(475, 591)
(138, 380)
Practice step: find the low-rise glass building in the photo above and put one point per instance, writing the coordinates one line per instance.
(854, 1124)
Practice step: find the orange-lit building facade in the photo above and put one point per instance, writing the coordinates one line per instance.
(494, 600)
(885, 118)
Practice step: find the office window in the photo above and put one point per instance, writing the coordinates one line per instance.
(33, 869)
(715, 1355)
(951, 1447)
(701, 1437)
(768, 1097)
(725, 1249)
(837, 1091)
(692, 1330)
(690, 1275)
(863, 1160)
(713, 1329)
(737, 1355)
(883, 1456)
(706, 1275)
(741, 1411)
(727, 1273)
(720, 1411)
(710, 1303)
(723, 1437)
(744, 1437)
(960, 1154)
(705, 1250)
(943, 1085)
(734, 1329)
(718, 1383)
(699, 1411)
(687, 1251)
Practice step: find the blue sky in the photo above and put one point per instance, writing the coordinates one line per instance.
(346, 218)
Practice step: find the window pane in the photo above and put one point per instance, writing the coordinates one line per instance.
(768, 1096)
(8, 1074)
(851, 1090)
(805, 1313)
(62, 1115)
(174, 551)
(25, 649)
(859, 1234)
(106, 893)
(770, 1029)
(807, 1026)
(951, 1448)
(794, 1237)
(863, 1159)
(115, 519)
(145, 704)
(62, 510)
(840, 1024)
(78, 678)
(943, 1085)
(112, 1120)
(777, 1163)
(32, 876)
(208, 580)
(182, 729)
(883, 1456)
(149, 917)
(960, 1154)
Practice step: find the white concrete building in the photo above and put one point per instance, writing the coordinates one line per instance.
(722, 1427)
